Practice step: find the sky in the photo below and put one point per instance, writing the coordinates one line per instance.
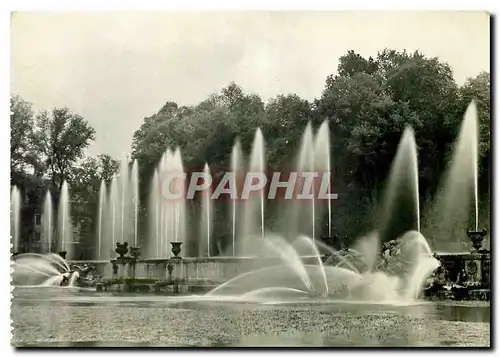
(116, 68)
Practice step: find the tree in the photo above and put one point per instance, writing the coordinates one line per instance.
(22, 153)
(286, 119)
(479, 89)
(61, 140)
(353, 63)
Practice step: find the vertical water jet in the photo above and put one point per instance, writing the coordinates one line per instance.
(254, 205)
(15, 201)
(206, 224)
(401, 210)
(47, 221)
(236, 162)
(64, 219)
(113, 202)
(322, 162)
(134, 179)
(102, 203)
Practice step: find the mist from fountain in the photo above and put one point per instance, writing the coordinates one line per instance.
(15, 211)
(48, 221)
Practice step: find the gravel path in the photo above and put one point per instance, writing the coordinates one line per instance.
(56, 324)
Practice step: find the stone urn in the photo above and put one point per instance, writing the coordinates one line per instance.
(135, 252)
(176, 249)
(62, 254)
(121, 249)
(477, 238)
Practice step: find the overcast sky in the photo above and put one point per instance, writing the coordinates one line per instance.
(116, 68)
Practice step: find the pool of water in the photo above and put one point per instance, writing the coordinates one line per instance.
(84, 318)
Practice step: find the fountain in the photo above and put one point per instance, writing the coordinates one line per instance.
(47, 223)
(323, 164)
(113, 200)
(134, 180)
(167, 205)
(288, 276)
(401, 210)
(50, 270)
(253, 211)
(64, 222)
(124, 191)
(102, 204)
(292, 263)
(206, 212)
(154, 249)
(15, 209)
(237, 170)
(458, 194)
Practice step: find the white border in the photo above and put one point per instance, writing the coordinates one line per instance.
(200, 5)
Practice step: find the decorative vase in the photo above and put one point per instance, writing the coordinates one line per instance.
(121, 249)
(477, 238)
(62, 254)
(176, 249)
(134, 252)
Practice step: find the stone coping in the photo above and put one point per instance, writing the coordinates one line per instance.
(452, 255)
